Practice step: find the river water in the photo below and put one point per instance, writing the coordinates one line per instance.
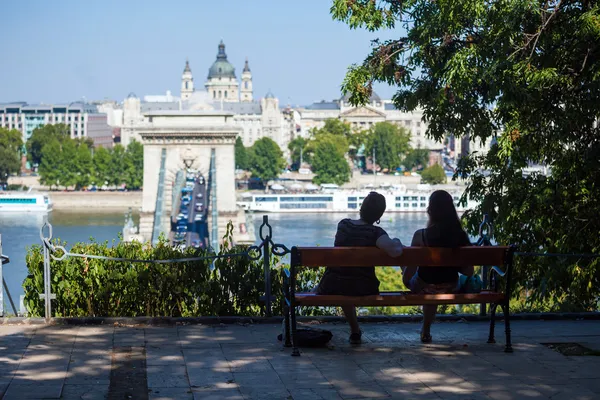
(21, 231)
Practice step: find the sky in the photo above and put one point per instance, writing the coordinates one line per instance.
(64, 51)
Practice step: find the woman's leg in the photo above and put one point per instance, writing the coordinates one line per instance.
(429, 312)
(350, 313)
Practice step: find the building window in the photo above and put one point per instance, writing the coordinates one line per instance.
(246, 85)
(219, 94)
(226, 94)
(186, 85)
(418, 124)
(214, 94)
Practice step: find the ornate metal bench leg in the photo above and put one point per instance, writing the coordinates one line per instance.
(491, 338)
(505, 309)
(286, 321)
(295, 350)
(295, 262)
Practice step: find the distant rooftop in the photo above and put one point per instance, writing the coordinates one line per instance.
(240, 108)
(324, 105)
(46, 108)
(157, 106)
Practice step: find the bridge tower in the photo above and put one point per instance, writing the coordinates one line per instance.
(183, 136)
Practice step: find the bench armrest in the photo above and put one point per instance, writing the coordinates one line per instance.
(498, 271)
(5, 259)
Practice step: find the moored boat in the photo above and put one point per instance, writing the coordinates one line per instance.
(18, 202)
(346, 201)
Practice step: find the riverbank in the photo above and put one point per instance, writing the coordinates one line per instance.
(96, 201)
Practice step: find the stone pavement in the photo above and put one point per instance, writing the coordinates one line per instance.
(247, 362)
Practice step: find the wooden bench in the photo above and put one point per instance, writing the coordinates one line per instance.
(498, 257)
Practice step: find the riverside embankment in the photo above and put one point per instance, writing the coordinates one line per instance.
(96, 201)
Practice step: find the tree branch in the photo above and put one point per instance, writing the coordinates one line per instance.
(544, 24)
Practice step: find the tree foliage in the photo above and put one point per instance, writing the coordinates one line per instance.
(336, 127)
(389, 143)
(84, 165)
(43, 135)
(11, 144)
(117, 171)
(297, 148)
(416, 159)
(70, 163)
(69, 166)
(51, 162)
(329, 164)
(523, 71)
(134, 165)
(266, 159)
(102, 160)
(241, 154)
(433, 175)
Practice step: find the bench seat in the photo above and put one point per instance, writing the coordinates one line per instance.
(498, 258)
(396, 299)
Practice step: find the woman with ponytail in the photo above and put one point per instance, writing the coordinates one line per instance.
(443, 230)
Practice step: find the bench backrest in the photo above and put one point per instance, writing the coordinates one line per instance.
(411, 256)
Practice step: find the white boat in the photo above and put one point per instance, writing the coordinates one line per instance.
(344, 201)
(18, 202)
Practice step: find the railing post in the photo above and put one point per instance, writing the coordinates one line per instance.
(47, 296)
(267, 268)
(47, 290)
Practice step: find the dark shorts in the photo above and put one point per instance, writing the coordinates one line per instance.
(418, 285)
(347, 286)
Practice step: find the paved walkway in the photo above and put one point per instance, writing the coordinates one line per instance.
(246, 362)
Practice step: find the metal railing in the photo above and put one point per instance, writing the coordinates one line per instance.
(3, 261)
(265, 249)
(268, 247)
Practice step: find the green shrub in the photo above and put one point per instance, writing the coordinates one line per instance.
(90, 287)
(87, 287)
(433, 175)
(14, 186)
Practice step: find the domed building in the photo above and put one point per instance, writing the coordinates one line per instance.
(257, 118)
(221, 82)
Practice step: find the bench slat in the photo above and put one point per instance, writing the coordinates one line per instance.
(397, 299)
(411, 256)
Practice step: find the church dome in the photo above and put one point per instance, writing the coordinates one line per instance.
(221, 68)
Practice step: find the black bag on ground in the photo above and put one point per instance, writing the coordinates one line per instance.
(311, 337)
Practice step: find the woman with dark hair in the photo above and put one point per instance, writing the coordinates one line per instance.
(359, 281)
(443, 230)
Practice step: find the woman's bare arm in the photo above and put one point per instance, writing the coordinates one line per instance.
(469, 270)
(409, 272)
(393, 247)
